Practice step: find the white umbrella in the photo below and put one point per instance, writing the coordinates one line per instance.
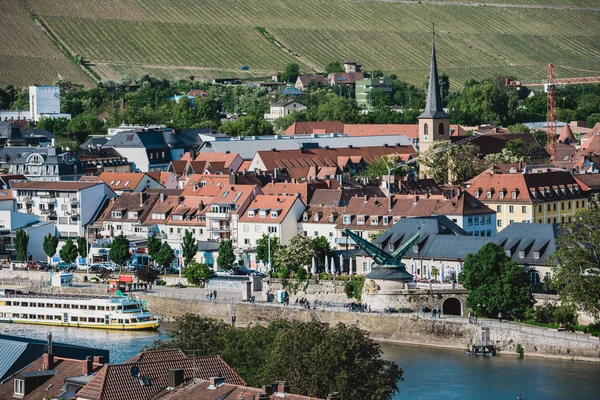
(428, 272)
(313, 270)
(332, 266)
(326, 265)
(350, 266)
(443, 275)
(341, 263)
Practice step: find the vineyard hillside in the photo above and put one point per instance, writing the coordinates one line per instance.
(208, 39)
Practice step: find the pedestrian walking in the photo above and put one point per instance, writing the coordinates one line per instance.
(215, 293)
(432, 314)
(470, 317)
(500, 317)
(210, 296)
(475, 317)
(423, 311)
(439, 312)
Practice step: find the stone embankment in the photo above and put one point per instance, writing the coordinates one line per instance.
(450, 331)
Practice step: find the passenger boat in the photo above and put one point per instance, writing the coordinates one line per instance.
(118, 312)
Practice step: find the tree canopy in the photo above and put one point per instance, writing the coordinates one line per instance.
(577, 274)
(68, 253)
(189, 247)
(458, 164)
(153, 246)
(119, 250)
(262, 248)
(315, 358)
(496, 283)
(165, 255)
(322, 250)
(290, 73)
(297, 254)
(21, 241)
(226, 257)
(82, 246)
(197, 273)
(50, 244)
(147, 274)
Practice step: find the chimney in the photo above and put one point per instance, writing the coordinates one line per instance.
(334, 396)
(262, 396)
(87, 366)
(282, 388)
(216, 381)
(98, 359)
(162, 197)
(48, 358)
(141, 199)
(269, 389)
(175, 377)
(366, 198)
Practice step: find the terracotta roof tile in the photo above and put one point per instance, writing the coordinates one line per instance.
(178, 167)
(266, 202)
(408, 130)
(123, 180)
(114, 381)
(566, 136)
(53, 185)
(307, 128)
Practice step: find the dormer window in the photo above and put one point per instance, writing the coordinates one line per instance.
(19, 387)
(126, 183)
(360, 220)
(117, 183)
(386, 220)
(514, 194)
(501, 195)
(507, 252)
(132, 214)
(274, 213)
(331, 218)
(262, 214)
(316, 217)
(536, 255)
(347, 219)
(305, 217)
(116, 214)
(477, 193)
(415, 248)
(521, 253)
(374, 220)
(251, 213)
(489, 194)
(391, 247)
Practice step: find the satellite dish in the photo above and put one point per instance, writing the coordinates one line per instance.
(135, 371)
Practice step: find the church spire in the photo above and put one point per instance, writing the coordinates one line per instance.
(433, 106)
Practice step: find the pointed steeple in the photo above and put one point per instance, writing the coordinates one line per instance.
(433, 106)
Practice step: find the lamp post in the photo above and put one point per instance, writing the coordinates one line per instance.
(269, 246)
(179, 251)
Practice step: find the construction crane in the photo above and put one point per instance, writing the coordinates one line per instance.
(550, 89)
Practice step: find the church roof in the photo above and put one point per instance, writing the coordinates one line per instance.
(433, 106)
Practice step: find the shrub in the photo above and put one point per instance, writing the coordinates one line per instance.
(545, 313)
(520, 350)
(593, 329)
(301, 275)
(564, 315)
(161, 283)
(283, 273)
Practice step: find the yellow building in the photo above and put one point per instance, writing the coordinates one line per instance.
(526, 194)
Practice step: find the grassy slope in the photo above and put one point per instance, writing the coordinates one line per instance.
(207, 38)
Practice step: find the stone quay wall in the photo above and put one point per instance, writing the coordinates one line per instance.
(312, 290)
(449, 332)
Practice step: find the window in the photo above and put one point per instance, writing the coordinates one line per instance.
(488, 219)
(536, 255)
(116, 214)
(316, 234)
(246, 228)
(391, 247)
(570, 206)
(441, 129)
(577, 204)
(386, 220)
(482, 220)
(540, 208)
(498, 208)
(262, 213)
(251, 214)
(247, 241)
(272, 229)
(501, 194)
(470, 221)
(489, 194)
(374, 220)
(476, 220)
(275, 214)
(521, 253)
(523, 209)
(511, 221)
(476, 233)
(489, 233)
(330, 234)
(425, 130)
(170, 230)
(554, 207)
(19, 387)
(511, 209)
(305, 217)
(548, 220)
(514, 194)
(562, 206)
(347, 219)
(360, 220)
(547, 207)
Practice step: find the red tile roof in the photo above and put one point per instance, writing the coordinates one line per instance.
(408, 130)
(566, 136)
(265, 202)
(345, 78)
(305, 80)
(114, 381)
(123, 180)
(307, 128)
(53, 185)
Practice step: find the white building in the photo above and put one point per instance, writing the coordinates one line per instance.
(44, 101)
(62, 203)
(322, 221)
(283, 108)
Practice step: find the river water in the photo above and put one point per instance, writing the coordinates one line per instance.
(428, 373)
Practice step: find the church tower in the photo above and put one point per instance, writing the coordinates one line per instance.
(434, 123)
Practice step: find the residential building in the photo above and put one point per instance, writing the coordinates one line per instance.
(11, 221)
(283, 108)
(277, 216)
(229, 161)
(126, 214)
(444, 245)
(44, 102)
(351, 66)
(225, 210)
(345, 78)
(304, 81)
(322, 221)
(529, 194)
(366, 89)
(14, 136)
(123, 182)
(247, 147)
(96, 160)
(160, 372)
(213, 389)
(434, 123)
(41, 163)
(60, 202)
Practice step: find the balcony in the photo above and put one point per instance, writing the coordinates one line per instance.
(25, 199)
(344, 240)
(48, 212)
(217, 215)
(74, 201)
(220, 229)
(48, 200)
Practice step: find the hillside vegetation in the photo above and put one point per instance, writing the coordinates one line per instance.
(207, 38)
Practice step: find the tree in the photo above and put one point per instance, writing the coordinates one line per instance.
(518, 128)
(68, 253)
(592, 120)
(50, 244)
(577, 258)
(504, 157)
(226, 257)
(379, 168)
(497, 283)
(165, 255)
(291, 72)
(21, 241)
(482, 103)
(316, 358)
(262, 248)
(197, 273)
(82, 247)
(153, 246)
(119, 250)
(147, 274)
(457, 164)
(322, 250)
(333, 66)
(297, 254)
(84, 125)
(189, 247)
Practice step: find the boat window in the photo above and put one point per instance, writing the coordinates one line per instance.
(9, 303)
(58, 305)
(101, 308)
(75, 306)
(91, 319)
(83, 307)
(49, 305)
(92, 307)
(133, 320)
(74, 319)
(83, 319)
(57, 317)
(42, 305)
(24, 304)
(67, 306)
(31, 316)
(120, 321)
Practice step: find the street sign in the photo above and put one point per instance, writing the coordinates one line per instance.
(55, 259)
(81, 260)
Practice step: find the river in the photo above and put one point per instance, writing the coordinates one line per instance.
(429, 373)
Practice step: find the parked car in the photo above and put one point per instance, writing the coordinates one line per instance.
(109, 265)
(223, 272)
(94, 268)
(65, 266)
(43, 265)
(246, 271)
(82, 267)
(32, 265)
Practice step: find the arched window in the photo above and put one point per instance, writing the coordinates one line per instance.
(441, 129)
(426, 129)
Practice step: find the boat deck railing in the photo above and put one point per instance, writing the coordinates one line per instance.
(66, 296)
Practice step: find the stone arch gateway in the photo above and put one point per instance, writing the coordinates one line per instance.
(452, 306)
